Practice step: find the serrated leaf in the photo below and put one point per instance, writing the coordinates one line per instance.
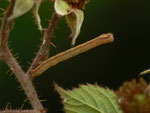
(21, 7)
(89, 99)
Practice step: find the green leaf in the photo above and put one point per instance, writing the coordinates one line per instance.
(21, 7)
(89, 99)
(62, 8)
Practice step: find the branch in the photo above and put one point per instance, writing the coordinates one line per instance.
(4, 31)
(13, 64)
(44, 49)
(105, 38)
(23, 79)
(18, 111)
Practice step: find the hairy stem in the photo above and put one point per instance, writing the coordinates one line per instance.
(23, 79)
(13, 64)
(4, 31)
(44, 49)
(105, 38)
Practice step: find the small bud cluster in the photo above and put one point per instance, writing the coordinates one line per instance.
(77, 3)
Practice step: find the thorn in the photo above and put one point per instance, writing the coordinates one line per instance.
(47, 20)
(44, 100)
(4, 11)
(11, 73)
(44, 29)
(26, 99)
(22, 106)
(52, 44)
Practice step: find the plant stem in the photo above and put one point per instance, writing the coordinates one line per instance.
(23, 79)
(13, 64)
(44, 49)
(105, 38)
(4, 32)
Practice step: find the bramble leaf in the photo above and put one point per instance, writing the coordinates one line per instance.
(89, 99)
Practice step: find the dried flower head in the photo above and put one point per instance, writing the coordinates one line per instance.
(23, 6)
(77, 3)
(133, 97)
(74, 15)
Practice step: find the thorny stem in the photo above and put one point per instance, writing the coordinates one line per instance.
(44, 49)
(105, 38)
(4, 32)
(39, 64)
(23, 79)
(13, 64)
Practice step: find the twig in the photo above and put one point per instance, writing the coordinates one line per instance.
(105, 38)
(13, 64)
(44, 49)
(18, 111)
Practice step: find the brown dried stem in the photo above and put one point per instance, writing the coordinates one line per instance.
(105, 38)
(13, 64)
(44, 49)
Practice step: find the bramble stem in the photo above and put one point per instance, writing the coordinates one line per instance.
(44, 49)
(13, 64)
(105, 38)
(23, 79)
(40, 63)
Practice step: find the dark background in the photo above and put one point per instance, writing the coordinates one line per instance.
(108, 65)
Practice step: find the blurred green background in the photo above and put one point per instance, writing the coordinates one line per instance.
(108, 65)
